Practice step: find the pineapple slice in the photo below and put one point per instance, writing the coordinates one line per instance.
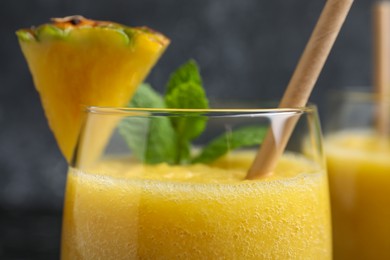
(76, 62)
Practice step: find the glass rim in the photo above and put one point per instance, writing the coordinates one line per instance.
(104, 110)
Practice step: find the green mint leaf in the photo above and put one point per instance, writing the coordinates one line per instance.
(151, 139)
(146, 97)
(188, 95)
(242, 137)
(185, 91)
(188, 72)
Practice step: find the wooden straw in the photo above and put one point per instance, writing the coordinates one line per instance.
(302, 82)
(382, 65)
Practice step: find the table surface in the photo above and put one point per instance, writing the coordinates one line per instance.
(30, 234)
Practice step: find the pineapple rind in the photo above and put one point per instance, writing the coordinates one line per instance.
(51, 31)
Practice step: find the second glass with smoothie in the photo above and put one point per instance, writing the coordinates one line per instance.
(358, 160)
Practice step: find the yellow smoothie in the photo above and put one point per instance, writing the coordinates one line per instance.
(135, 211)
(359, 179)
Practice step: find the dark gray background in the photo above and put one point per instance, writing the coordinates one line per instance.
(247, 50)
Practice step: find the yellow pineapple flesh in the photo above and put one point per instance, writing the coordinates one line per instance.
(76, 62)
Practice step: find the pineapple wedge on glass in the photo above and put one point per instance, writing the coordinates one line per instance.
(77, 62)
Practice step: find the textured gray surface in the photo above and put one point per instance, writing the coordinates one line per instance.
(247, 50)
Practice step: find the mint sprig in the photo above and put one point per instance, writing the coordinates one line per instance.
(155, 139)
(151, 139)
(243, 137)
(184, 90)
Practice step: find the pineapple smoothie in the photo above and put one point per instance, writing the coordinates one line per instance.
(359, 180)
(197, 212)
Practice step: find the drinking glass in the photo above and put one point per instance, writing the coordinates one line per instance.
(136, 189)
(358, 159)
